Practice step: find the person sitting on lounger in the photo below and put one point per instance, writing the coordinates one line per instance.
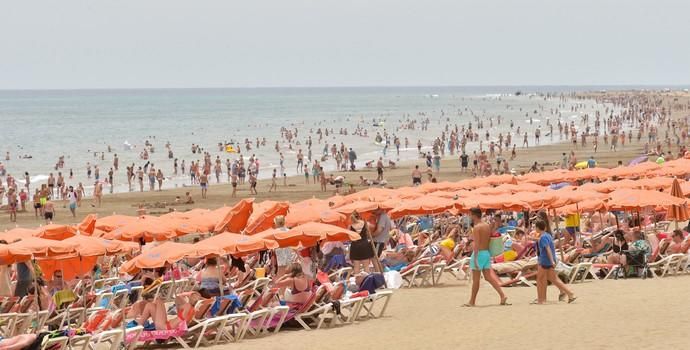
(618, 247)
(297, 284)
(212, 279)
(680, 244)
(152, 314)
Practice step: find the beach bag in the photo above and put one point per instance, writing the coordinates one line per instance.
(496, 246)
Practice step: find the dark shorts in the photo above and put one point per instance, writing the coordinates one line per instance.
(416, 180)
(234, 184)
(48, 216)
(37, 205)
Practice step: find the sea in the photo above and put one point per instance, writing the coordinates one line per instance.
(39, 126)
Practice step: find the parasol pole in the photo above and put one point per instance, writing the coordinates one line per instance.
(376, 261)
(560, 234)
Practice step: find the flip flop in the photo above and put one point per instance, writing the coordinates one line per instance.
(561, 297)
(505, 302)
(571, 300)
(467, 305)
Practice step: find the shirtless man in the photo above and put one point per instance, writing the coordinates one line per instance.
(416, 176)
(203, 182)
(480, 261)
(97, 194)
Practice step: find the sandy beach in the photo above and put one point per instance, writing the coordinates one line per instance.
(642, 314)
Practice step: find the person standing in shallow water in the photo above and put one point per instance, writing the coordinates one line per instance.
(480, 261)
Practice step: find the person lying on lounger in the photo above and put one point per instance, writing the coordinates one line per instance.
(680, 244)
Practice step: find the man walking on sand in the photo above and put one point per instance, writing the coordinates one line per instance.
(480, 261)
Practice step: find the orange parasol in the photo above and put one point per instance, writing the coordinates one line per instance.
(149, 228)
(235, 218)
(585, 206)
(110, 223)
(11, 254)
(313, 210)
(166, 253)
(93, 246)
(88, 225)
(362, 207)
(263, 215)
(42, 247)
(56, 232)
(309, 234)
(422, 206)
(627, 199)
(232, 243)
(16, 234)
(677, 212)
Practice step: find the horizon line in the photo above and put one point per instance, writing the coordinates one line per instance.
(259, 87)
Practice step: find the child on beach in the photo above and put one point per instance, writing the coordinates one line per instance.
(546, 255)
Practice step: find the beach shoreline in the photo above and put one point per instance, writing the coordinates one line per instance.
(219, 195)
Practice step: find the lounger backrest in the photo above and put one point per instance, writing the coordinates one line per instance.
(318, 295)
(338, 292)
(201, 308)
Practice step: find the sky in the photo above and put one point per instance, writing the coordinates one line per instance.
(76, 44)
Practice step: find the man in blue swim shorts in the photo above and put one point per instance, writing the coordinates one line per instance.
(480, 261)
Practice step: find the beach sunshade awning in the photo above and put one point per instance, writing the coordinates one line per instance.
(88, 225)
(17, 234)
(263, 214)
(627, 199)
(235, 218)
(309, 234)
(165, 253)
(677, 212)
(233, 244)
(56, 232)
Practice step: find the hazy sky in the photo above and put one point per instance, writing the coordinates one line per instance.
(230, 43)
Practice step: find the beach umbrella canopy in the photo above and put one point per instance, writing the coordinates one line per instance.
(586, 174)
(639, 170)
(585, 206)
(677, 212)
(41, 247)
(422, 206)
(88, 225)
(149, 228)
(627, 199)
(362, 207)
(111, 222)
(159, 256)
(11, 254)
(56, 232)
(263, 214)
(94, 246)
(308, 235)
(570, 195)
(16, 234)
(235, 218)
(233, 244)
(326, 216)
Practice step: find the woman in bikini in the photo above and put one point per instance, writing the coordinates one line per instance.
(297, 284)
